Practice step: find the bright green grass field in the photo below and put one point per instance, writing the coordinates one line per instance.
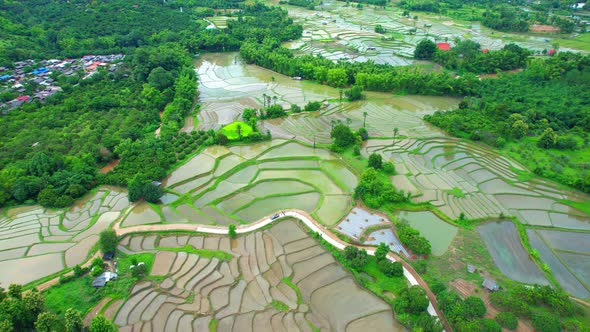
(231, 130)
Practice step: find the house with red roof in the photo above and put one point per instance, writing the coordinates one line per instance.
(443, 46)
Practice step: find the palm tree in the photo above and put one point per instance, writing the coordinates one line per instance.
(264, 100)
(239, 130)
(365, 119)
(395, 131)
(274, 99)
(340, 91)
(332, 123)
(348, 121)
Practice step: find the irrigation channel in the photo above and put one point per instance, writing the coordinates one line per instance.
(410, 274)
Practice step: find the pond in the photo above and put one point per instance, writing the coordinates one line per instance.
(439, 233)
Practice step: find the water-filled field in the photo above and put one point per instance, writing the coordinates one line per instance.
(439, 233)
(501, 239)
(455, 176)
(246, 183)
(36, 242)
(277, 279)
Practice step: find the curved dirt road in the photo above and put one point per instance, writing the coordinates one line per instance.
(409, 272)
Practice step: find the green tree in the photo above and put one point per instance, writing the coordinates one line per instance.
(135, 187)
(391, 269)
(152, 192)
(379, 28)
(73, 320)
(356, 258)
(101, 324)
(160, 78)
(232, 231)
(47, 322)
(475, 306)
(222, 139)
(412, 300)
(546, 322)
(381, 251)
(548, 139)
(108, 240)
(519, 129)
(342, 136)
(363, 133)
(34, 304)
(507, 320)
(15, 291)
(375, 161)
(365, 119)
(337, 77)
(355, 93)
(425, 50)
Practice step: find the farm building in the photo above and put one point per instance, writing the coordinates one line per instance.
(102, 279)
(490, 284)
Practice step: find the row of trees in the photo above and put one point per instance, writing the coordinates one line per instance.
(366, 75)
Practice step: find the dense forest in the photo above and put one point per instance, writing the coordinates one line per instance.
(80, 27)
(50, 152)
(540, 116)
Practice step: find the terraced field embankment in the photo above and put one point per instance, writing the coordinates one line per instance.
(276, 279)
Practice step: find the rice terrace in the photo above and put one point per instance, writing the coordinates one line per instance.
(294, 165)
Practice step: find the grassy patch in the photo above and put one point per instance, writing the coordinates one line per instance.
(190, 298)
(213, 325)
(231, 130)
(582, 206)
(382, 283)
(456, 192)
(80, 294)
(205, 253)
(279, 306)
(356, 163)
(580, 42)
(467, 248)
(287, 281)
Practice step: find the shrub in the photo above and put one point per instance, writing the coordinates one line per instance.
(108, 242)
(507, 320)
(391, 269)
(363, 133)
(375, 161)
(295, 108)
(312, 106)
(221, 139)
(381, 252)
(490, 325)
(357, 259)
(546, 322)
(356, 150)
(232, 231)
(138, 271)
(388, 168)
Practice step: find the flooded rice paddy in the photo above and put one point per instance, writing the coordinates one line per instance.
(457, 177)
(245, 184)
(279, 265)
(439, 233)
(36, 242)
